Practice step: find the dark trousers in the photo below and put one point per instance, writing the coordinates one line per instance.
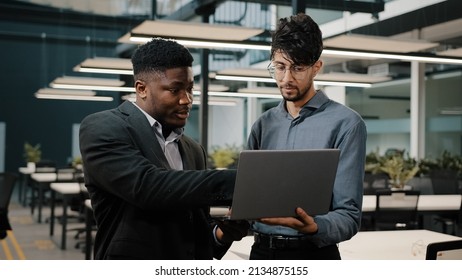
(261, 252)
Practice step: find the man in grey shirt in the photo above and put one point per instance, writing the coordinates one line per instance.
(307, 119)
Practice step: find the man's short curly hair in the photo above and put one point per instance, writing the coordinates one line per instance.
(159, 55)
(299, 37)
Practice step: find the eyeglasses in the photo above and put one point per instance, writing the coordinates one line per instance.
(278, 71)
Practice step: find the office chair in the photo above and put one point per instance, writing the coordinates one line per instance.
(446, 182)
(445, 250)
(396, 210)
(7, 182)
(43, 166)
(64, 175)
(373, 182)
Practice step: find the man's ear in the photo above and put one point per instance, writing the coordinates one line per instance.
(140, 87)
(317, 67)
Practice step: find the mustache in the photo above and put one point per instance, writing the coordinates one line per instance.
(287, 85)
(185, 109)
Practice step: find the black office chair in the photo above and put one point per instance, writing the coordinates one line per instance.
(446, 182)
(68, 174)
(396, 210)
(373, 182)
(43, 166)
(7, 182)
(444, 250)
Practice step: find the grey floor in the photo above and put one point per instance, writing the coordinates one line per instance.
(31, 240)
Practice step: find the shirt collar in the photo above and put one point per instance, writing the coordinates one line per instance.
(319, 99)
(174, 135)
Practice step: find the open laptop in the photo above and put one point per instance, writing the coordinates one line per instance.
(272, 183)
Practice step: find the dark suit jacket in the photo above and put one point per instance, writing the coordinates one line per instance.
(143, 209)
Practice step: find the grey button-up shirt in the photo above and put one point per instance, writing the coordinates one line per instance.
(322, 123)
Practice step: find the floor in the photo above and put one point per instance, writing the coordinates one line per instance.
(30, 240)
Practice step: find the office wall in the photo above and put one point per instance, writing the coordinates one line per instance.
(2, 146)
(32, 56)
(388, 117)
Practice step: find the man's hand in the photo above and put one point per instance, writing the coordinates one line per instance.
(229, 231)
(303, 223)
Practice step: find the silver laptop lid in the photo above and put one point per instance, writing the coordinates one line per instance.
(272, 183)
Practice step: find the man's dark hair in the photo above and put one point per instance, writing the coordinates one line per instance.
(159, 55)
(298, 37)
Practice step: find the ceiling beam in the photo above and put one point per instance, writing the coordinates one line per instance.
(193, 9)
(27, 12)
(335, 5)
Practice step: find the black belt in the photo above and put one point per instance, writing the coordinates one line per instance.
(282, 242)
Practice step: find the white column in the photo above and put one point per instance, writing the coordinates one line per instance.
(336, 93)
(253, 111)
(417, 120)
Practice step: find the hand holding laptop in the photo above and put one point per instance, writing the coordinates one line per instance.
(303, 222)
(232, 230)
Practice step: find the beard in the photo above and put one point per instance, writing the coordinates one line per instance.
(296, 94)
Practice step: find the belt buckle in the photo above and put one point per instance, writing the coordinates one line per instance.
(275, 244)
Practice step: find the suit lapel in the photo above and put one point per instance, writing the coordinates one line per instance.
(146, 134)
(185, 154)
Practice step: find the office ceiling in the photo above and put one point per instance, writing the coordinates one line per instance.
(434, 23)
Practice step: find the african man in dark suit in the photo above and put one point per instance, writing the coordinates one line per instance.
(148, 182)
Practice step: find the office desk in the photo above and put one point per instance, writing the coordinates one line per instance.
(368, 245)
(43, 181)
(426, 205)
(67, 191)
(391, 245)
(433, 203)
(24, 174)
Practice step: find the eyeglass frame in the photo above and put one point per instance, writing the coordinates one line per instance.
(293, 71)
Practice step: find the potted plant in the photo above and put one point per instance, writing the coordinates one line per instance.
(373, 162)
(447, 162)
(77, 163)
(32, 154)
(224, 157)
(400, 169)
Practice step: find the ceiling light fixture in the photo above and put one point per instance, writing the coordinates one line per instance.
(205, 35)
(327, 52)
(105, 65)
(191, 43)
(270, 80)
(92, 87)
(240, 94)
(451, 111)
(88, 83)
(84, 69)
(60, 94)
(217, 101)
(393, 56)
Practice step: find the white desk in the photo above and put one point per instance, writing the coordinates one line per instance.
(391, 245)
(427, 202)
(24, 173)
(43, 180)
(44, 177)
(66, 190)
(368, 245)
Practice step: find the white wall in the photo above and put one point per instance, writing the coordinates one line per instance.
(226, 125)
(75, 140)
